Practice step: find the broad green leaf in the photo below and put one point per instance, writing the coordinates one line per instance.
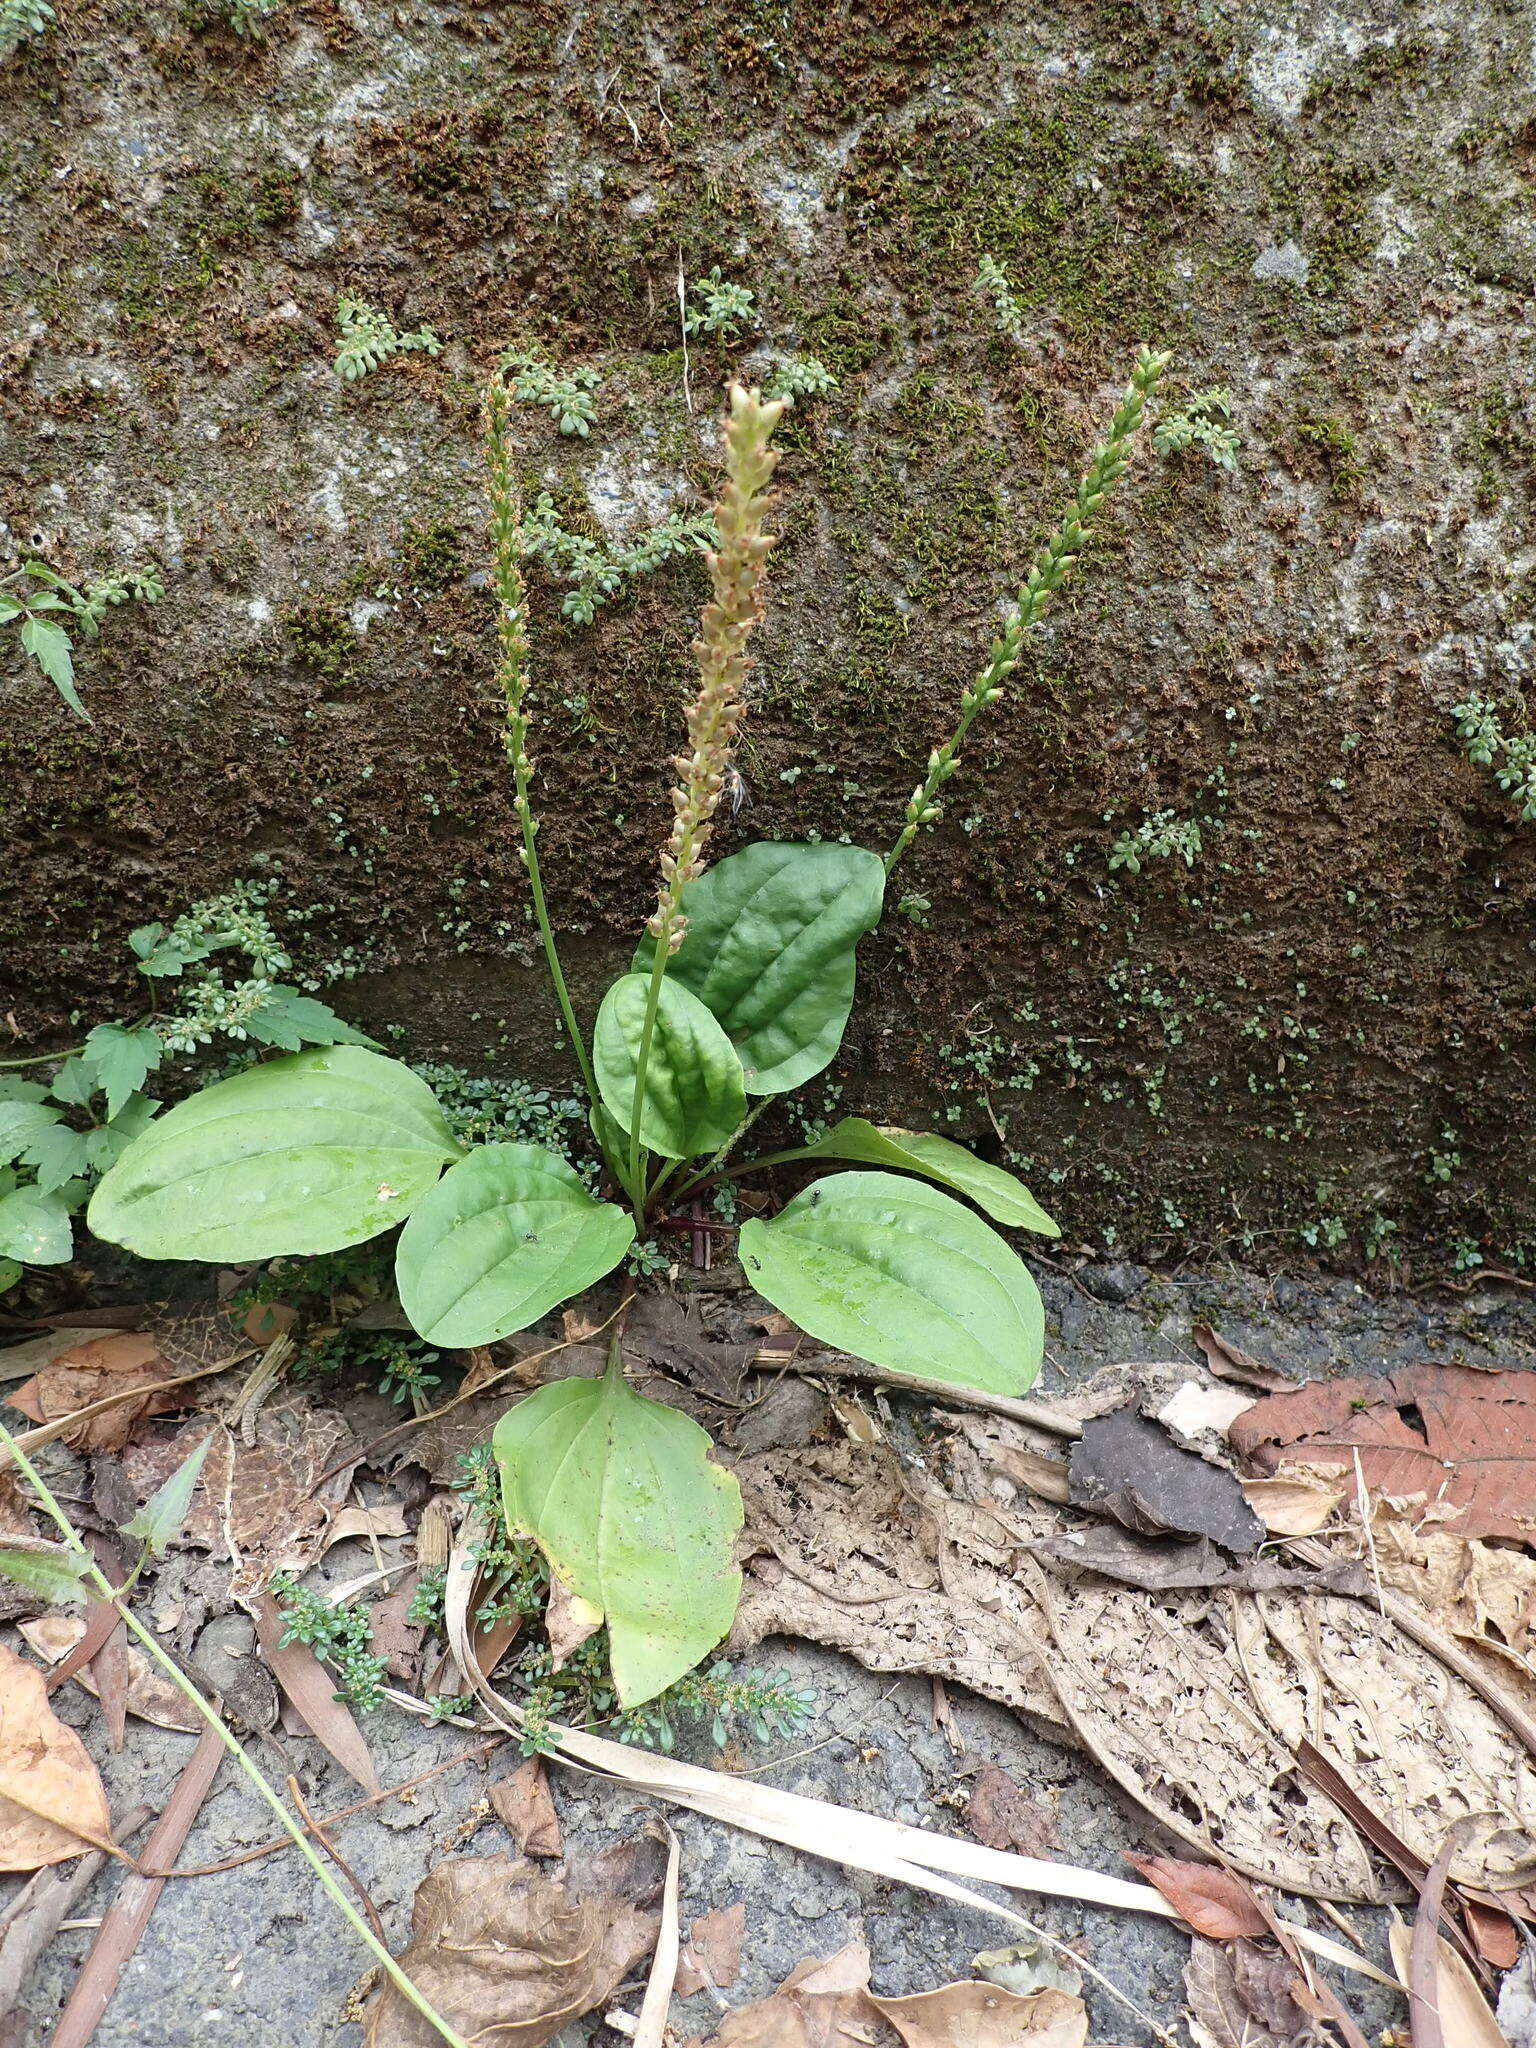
(35, 1227)
(10, 1273)
(694, 1097)
(162, 1515)
(769, 951)
(49, 647)
(59, 1154)
(610, 1139)
(503, 1237)
(620, 1495)
(1005, 1199)
(900, 1274)
(46, 1569)
(121, 1057)
(308, 1154)
(21, 1124)
(14, 1089)
(289, 1020)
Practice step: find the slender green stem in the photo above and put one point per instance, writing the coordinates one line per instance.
(642, 1063)
(41, 1059)
(710, 1170)
(1052, 566)
(512, 673)
(175, 1673)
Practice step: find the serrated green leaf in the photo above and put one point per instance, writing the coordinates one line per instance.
(74, 1084)
(121, 1057)
(1005, 1198)
(49, 647)
(505, 1236)
(288, 1019)
(46, 1569)
(58, 1154)
(694, 1097)
(35, 1227)
(21, 1125)
(895, 1272)
(769, 951)
(162, 1515)
(307, 1154)
(107, 1144)
(620, 1495)
(14, 1089)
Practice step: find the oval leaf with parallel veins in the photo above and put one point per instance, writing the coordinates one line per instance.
(770, 952)
(898, 1273)
(620, 1495)
(694, 1097)
(505, 1236)
(1004, 1197)
(305, 1154)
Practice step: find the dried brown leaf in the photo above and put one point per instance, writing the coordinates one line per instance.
(1126, 1465)
(507, 1955)
(265, 1506)
(712, 1953)
(1290, 1506)
(311, 1690)
(1464, 2015)
(1228, 1363)
(52, 1804)
(972, 2015)
(90, 1372)
(1451, 1435)
(821, 2004)
(1239, 1997)
(1004, 1816)
(1193, 1410)
(150, 1695)
(1214, 1901)
(524, 1806)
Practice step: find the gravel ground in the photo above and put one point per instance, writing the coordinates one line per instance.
(254, 1956)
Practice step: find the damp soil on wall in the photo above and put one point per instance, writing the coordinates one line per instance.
(1317, 1036)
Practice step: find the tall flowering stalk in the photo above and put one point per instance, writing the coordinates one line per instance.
(1052, 566)
(736, 572)
(512, 675)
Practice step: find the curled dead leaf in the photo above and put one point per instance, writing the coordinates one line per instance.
(507, 1955)
(150, 1696)
(52, 1804)
(1288, 1505)
(88, 1373)
(1215, 1902)
(524, 1806)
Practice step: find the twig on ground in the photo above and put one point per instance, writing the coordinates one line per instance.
(317, 1829)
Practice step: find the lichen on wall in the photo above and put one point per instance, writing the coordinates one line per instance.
(1306, 1023)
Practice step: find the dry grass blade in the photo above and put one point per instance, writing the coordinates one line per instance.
(651, 2027)
(1423, 1971)
(128, 1915)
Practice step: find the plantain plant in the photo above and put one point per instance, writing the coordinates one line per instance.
(738, 992)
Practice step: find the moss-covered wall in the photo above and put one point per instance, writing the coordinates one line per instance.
(1323, 1026)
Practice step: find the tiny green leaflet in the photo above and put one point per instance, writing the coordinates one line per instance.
(162, 1515)
(620, 1495)
(769, 950)
(305, 1154)
(695, 1100)
(1005, 1198)
(49, 1570)
(898, 1273)
(507, 1234)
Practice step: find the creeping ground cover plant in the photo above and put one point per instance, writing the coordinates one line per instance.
(738, 991)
